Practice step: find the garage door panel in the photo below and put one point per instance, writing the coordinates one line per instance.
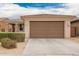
(47, 29)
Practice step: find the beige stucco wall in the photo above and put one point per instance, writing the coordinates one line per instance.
(17, 27)
(10, 28)
(44, 18)
(67, 28)
(3, 25)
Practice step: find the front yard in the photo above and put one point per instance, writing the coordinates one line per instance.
(16, 51)
(45, 46)
(9, 39)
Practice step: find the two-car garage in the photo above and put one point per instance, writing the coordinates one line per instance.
(47, 26)
(47, 29)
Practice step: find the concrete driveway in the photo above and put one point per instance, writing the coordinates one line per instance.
(44, 47)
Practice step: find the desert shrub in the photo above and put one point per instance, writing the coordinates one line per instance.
(19, 37)
(8, 43)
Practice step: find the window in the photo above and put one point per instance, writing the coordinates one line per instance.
(21, 27)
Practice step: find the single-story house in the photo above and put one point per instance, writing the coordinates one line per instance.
(48, 26)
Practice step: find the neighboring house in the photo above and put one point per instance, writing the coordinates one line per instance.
(75, 27)
(48, 26)
(3, 25)
(7, 25)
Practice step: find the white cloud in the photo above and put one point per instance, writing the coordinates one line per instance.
(72, 9)
(15, 11)
(69, 9)
(10, 10)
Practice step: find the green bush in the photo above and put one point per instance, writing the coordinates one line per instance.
(19, 37)
(8, 43)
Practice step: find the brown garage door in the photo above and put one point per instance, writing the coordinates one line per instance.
(47, 29)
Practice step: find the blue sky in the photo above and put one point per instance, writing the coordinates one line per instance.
(42, 5)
